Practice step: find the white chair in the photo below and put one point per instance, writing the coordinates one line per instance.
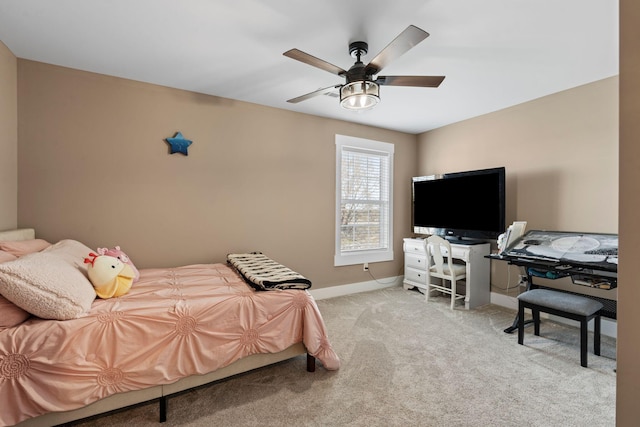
(437, 250)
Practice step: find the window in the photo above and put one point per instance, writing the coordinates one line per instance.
(364, 177)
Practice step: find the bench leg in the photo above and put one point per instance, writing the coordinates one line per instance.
(536, 321)
(584, 336)
(596, 336)
(520, 324)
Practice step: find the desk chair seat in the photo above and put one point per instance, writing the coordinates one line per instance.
(437, 250)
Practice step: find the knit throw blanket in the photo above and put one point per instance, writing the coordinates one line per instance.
(264, 274)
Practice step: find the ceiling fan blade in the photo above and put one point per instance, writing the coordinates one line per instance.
(416, 81)
(312, 94)
(407, 39)
(313, 61)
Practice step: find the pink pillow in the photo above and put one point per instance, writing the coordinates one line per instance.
(6, 256)
(10, 314)
(24, 247)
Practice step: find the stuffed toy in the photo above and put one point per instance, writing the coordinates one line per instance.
(110, 276)
(117, 253)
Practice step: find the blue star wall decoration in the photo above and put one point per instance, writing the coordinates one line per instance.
(178, 144)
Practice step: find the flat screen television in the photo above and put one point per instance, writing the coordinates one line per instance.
(460, 206)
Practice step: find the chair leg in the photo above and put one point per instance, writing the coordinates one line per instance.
(428, 291)
(596, 336)
(583, 342)
(453, 293)
(520, 323)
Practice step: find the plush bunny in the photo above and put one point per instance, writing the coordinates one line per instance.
(116, 252)
(110, 276)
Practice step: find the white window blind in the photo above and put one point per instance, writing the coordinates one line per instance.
(364, 225)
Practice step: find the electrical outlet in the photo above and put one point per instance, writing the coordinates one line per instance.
(365, 266)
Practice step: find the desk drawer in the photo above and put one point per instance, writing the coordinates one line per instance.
(414, 246)
(416, 261)
(417, 276)
(460, 253)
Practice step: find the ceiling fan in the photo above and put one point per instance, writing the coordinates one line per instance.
(361, 90)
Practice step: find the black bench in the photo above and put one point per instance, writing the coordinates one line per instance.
(562, 304)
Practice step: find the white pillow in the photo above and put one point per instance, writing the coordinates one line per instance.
(51, 284)
(73, 252)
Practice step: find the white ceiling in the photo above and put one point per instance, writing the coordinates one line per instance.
(494, 53)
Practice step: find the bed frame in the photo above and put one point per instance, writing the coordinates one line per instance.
(161, 393)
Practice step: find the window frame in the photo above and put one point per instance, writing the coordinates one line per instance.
(353, 257)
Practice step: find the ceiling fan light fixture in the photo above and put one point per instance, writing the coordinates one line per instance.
(359, 95)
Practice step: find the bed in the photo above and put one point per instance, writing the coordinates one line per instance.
(176, 329)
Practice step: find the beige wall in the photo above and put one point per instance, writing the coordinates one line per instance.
(219, 130)
(561, 158)
(8, 139)
(94, 166)
(628, 373)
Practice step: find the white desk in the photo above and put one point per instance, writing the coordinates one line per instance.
(478, 287)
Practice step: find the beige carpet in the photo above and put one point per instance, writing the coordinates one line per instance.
(406, 362)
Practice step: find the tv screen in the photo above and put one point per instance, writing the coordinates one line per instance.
(460, 205)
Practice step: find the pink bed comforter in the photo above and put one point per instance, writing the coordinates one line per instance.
(174, 323)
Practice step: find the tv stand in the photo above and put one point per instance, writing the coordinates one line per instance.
(478, 288)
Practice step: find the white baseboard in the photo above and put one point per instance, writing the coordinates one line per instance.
(354, 288)
(609, 326)
(504, 301)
